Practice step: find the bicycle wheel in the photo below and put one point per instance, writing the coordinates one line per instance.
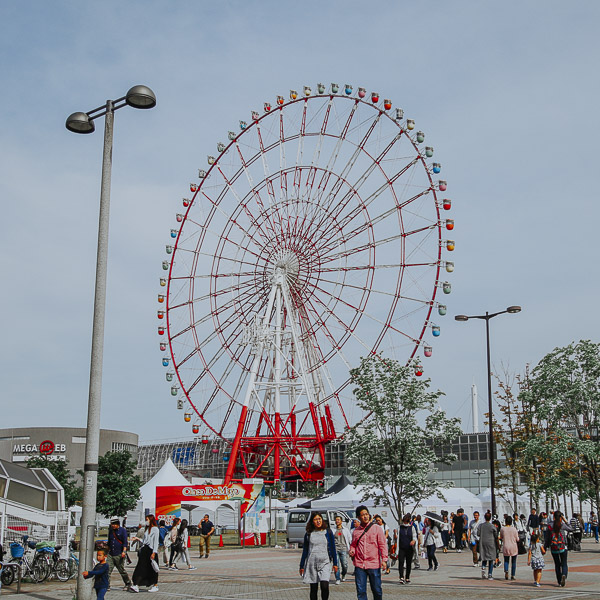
(40, 571)
(73, 567)
(62, 569)
(7, 576)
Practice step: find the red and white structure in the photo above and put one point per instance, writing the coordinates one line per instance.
(315, 236)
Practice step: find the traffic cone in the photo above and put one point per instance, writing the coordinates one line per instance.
(221, 541)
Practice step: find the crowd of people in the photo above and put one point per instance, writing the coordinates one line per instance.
(374, 550)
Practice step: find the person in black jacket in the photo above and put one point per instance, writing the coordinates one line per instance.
(406, 547)
(318, 553)
(533, 522)
(100, 575)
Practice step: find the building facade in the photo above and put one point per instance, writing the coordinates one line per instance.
(18, 444)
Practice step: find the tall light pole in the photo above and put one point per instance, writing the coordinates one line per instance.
(479, 473)
(511, 310)
(138, 96)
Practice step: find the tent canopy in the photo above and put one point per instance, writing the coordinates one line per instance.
(168, 474)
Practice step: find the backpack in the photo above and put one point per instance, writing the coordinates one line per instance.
(557, 542)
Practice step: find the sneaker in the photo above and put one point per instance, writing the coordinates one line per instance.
(537, 584)
(154, 588)
(401, 580)
(134, 588)
(563, 581)
(512, 577)
(436, 567)
(192, 568)
(206, 556)
(490, 577)
(430, 569)
(407, 581)
(337, 582)
(459, 550)
(483, 575)
(343, 579)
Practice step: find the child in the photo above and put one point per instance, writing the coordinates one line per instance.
(535, 558)
(100, 574)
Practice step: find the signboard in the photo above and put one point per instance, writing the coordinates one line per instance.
(47, 448)
(169, 498)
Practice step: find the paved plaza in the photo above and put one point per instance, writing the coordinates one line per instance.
(272, 573)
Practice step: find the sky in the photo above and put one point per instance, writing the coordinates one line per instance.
(507, 92)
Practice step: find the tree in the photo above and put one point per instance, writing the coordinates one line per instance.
(391, 453)
(60, 471)
(118, 486)
(564, 393)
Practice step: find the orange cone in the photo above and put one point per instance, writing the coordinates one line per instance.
(221, 541)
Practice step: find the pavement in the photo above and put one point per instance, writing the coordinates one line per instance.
(272, 573)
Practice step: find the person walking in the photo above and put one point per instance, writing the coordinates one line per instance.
(489, 547)
(510, 546)
(100, 575)
(593, 521)
(535, 558)
(184, 535)
(445, 532)
(318, 553)
(417, 526)
(145, 573)
(431, 539)
(206, 530)
(407, 543)
(175, 545)
(369, 553)
(533, 522)
(458, 528)
(117, 551)
(163, 535)
(343, 539)
(386, 532)
(577, 532)
(558, 547)
(473, 537)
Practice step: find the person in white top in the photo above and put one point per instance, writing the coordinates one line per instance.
(146, 570)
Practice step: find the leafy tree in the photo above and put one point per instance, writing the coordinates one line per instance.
(60, 471)
(391, 452)
(118, 486)
(564, 394)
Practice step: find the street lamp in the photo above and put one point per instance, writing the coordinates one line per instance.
(511, 310)
(479, 473)
(143, 97)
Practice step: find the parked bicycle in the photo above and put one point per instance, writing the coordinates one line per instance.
(36, 570)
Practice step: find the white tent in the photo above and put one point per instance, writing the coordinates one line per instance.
(167, 475)
(455, 498)
(502, 502)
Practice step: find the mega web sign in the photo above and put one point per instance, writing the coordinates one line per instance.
(170, 497)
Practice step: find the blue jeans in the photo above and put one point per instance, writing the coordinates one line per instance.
(513, 560)
(374, 575)
(342, 556)
(560, 565)
(490, 566)
(100, 593)
(594, 530)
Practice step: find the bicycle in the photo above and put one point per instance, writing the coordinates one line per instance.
(37, 570)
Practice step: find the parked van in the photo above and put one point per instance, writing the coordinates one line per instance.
(298, 518)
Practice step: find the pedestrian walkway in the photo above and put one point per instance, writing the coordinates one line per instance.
(267, 573)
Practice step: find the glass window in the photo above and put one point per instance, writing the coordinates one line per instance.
(2, 486)
(24, 494)
(298, 517)
(52, 501)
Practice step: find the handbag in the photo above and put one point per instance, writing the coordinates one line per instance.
(154, 565)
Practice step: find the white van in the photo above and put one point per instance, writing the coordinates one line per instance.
(298, 518)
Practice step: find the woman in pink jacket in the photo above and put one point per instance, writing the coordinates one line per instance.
(369, 553)
(510, 538)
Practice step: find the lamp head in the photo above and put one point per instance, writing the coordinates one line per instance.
(80, 122)
(461, 318)
(141, 96)
(513, 309)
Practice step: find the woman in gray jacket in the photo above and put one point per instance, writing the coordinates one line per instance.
(488, 546)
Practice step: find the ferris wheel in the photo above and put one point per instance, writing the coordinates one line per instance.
(313, 237)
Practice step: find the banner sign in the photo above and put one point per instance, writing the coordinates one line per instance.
(170, 497)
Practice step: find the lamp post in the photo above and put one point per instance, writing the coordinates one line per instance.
(479, 473)
(143, 97)
(511, 310)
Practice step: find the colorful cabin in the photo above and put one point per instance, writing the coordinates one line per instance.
(165, 361)
(220, 147)
(169, 249)
(418, 370)
(215, 451)
(169, 375)
(186, 202)
(347, 89)
(187, 417)
(362, 92)
(320, 88)
(293, 94)
(179, 217)
(165, 265)
(427, 351)
(335, 88)
(446, 287)
(374, 97)
(201, 173)
(437, 167)
(442, 185)
(410, 124)
(231, 134)
(174, 390)
(449, 266)
(205, 439)
(243, 125)
(307, 90)
(179, 403)
(163, 346)
(211, 160)
(442, 309)
(161, 331)
(399, 114)
(447, 204)
(163, 281)
(160, 314)
(449, 224)
(255, 116)
(161, 298)
(450, 245)
(173, 233)
(428, 151)
(420, 137)
(193, 187)
(435, 330)
(267, 106)
(387, 104)
(195, 428)
(280, 100)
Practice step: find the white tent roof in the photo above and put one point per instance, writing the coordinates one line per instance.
(167, 475)
(503, 505)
